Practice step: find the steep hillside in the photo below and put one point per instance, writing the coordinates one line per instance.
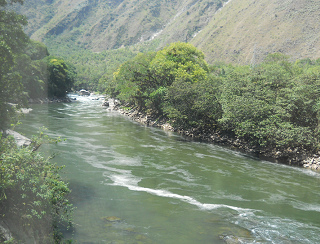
(244, 31)
(237, 31)
(103, 24)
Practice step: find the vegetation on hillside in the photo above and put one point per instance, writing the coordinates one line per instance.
(42, 75)
(91, 67)
(104, 25)
(33, 197)
(97, 36)
(33, 201)
(273, 106)
(241, 32)
(246, 31)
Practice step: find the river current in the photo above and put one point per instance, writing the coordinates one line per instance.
(136, 184)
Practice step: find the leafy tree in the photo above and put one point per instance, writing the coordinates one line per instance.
(32, 195)
(179, 61)
(32, 66)
(61, 77)
(133, 81)
(144, 80)
(193, 105)
(12, 42)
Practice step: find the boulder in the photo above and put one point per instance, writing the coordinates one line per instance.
(111, 219)
(5, 234)
(21, 140)
(105, 104)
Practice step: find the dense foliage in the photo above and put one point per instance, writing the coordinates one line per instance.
(41, 75)
(61, 77)
(143, 81)
(274, 105)
(91, 67)
(33, 201)
(12, 42)
(32, 194)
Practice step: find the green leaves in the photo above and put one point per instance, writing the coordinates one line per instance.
(272, 105)
(12, 42)
(32, 191)
(179, 61)
(144, 80)
(61, 77)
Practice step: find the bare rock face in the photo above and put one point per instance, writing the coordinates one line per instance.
(5, 234)
(21, 140)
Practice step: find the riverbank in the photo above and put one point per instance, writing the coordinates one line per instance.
(49, 100)
(290, 156)
(25, 192)
(117, 167)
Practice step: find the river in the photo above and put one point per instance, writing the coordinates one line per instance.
(136, 184)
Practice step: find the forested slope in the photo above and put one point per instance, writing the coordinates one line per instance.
(33, 197)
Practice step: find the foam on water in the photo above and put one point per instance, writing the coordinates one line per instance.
(131, 183)
(276, 203)
(307, 207)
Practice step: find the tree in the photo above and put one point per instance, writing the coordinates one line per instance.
(61, 77)
(12, 42)
(32, 67)
(133, 81)
(144, 80)
(194, 105)
(179, 61)
(33, 196)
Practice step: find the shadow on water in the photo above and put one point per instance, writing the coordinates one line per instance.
(80, 192)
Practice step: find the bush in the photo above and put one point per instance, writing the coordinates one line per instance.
(33, 198)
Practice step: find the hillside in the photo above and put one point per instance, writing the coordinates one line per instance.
(246, 30)
(237, 31)
(103, 24)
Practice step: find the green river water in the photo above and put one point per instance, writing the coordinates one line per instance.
(136, 184)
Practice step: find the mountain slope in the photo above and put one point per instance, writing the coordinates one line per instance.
(241, 31)
(103, 24)
(246, 30)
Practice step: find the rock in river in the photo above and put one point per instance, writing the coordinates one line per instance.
(111, 219)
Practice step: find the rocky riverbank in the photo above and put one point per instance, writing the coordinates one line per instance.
(291, 156)
(49, 100)
(312, 163)
(21, 140)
